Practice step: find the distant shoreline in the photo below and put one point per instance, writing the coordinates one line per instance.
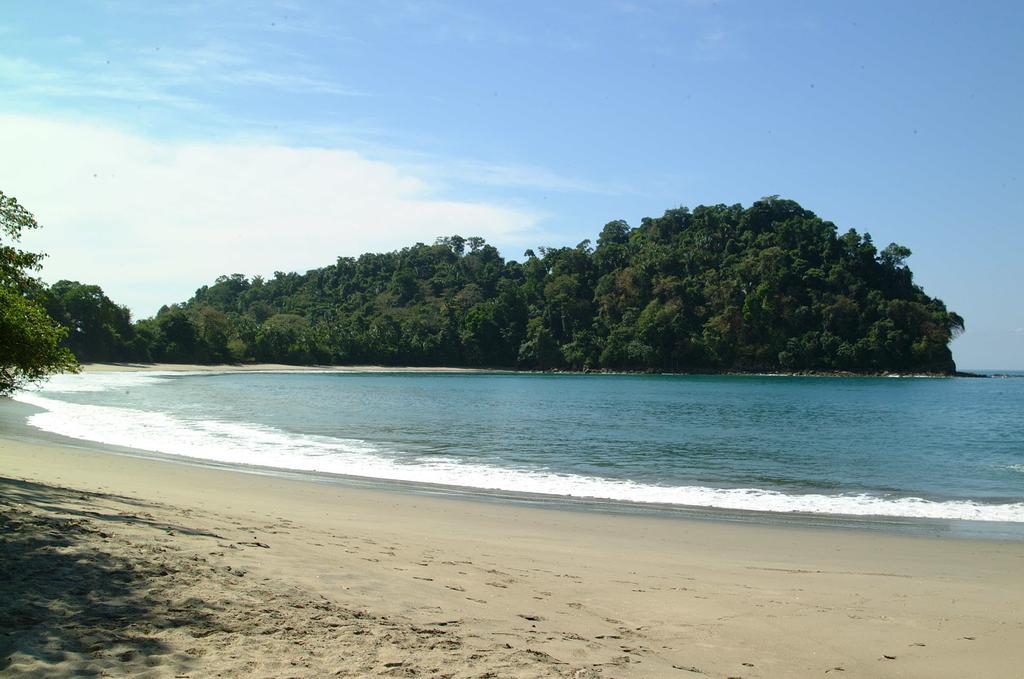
(270, 367)
(283, 367)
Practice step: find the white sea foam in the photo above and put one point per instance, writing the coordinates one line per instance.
(83, 382)
(252, 444)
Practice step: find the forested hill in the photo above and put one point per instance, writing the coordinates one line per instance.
(768, 288)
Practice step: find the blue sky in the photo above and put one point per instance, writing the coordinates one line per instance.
(163, 144)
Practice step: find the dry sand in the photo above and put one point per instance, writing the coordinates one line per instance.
(124, 566)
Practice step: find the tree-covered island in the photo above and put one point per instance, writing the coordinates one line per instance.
(768, 288)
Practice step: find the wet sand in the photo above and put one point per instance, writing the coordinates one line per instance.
(119, 565)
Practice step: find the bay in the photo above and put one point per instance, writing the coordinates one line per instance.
(909, 447)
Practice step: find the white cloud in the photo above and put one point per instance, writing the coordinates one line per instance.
(518, 177)
(151, 220)
(26, 80)
(717, 44)
(223, 64)
(159, 76)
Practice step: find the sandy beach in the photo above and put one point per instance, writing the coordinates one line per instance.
(120, 565)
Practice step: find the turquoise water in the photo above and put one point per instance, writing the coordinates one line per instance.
(943, 448)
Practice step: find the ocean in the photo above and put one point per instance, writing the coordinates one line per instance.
(939, 448)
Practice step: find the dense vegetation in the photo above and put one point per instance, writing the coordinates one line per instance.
(30, 341)
(768, 288)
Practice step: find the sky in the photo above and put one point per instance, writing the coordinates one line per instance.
(163, 144)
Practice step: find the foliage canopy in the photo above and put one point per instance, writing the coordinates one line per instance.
(771, 287)
(30, 341)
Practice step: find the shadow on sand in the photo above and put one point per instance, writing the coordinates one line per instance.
(69, 603)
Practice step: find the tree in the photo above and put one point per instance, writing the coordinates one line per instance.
(280, 337)
(722, 287)
(30, 341)
(99, 329)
